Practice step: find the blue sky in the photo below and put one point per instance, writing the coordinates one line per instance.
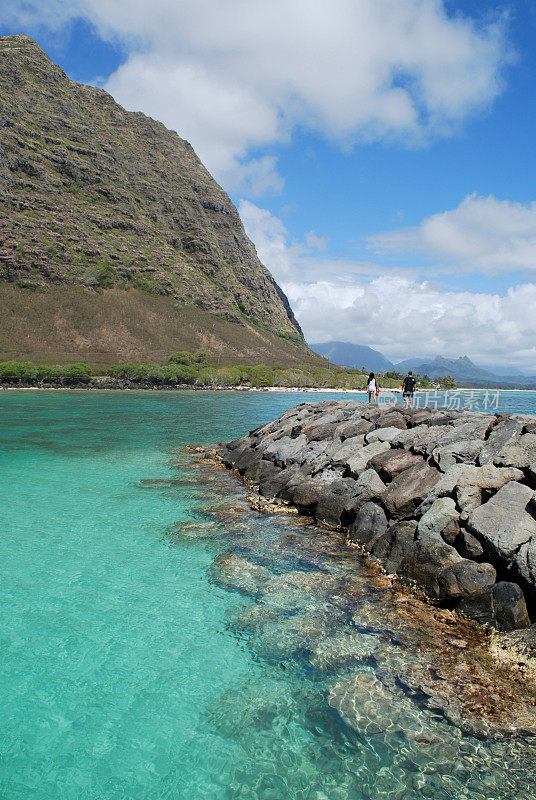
(381, 152)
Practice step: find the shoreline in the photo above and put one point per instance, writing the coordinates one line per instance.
(245, 388)
(391, 484)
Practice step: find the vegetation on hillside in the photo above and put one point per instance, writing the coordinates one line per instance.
(70, 323)
(95, 196)
(190, 369)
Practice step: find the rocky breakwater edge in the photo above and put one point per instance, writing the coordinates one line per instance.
(439, 501)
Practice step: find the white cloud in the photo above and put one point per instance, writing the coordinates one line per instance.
(271, 239)
(315, 242)
(237, 76)
(291, 259)
(392, 310)
(402, 317)
(481, 234)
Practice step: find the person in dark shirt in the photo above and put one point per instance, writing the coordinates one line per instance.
(408, 389)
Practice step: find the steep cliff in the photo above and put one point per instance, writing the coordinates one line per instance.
(100, 199)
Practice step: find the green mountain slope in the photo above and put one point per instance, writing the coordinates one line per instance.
(98, 198)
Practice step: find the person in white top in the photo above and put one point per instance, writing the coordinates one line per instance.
(371, 388)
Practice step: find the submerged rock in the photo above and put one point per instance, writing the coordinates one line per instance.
(234, 572)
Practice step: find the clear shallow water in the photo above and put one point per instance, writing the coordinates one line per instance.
(130, 673)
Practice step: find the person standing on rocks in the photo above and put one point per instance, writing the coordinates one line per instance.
(408, 389)
(372, 389)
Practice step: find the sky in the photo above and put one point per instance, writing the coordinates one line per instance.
(382, 153)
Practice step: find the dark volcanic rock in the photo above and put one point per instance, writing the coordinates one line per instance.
(408, 490)
(519, 452)
(354, 428)
(360, 460)
(502, 606)
(392, 419)
(369, 524)
(393, 462)
(369, 486)
(333, 502)
(443, 573)
(468, 546)
(448, 530)
(394, 545)
(502, 434)
(506, 527)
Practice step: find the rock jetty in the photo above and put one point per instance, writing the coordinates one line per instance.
(444, 499)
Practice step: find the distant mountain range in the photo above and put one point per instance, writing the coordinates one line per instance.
(462, 369)
(353, 355)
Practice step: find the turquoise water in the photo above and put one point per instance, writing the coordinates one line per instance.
(126, 673)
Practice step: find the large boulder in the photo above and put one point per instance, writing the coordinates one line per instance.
(501, 606)
(503, 433)
(305, 494)
(235, 572)
(369, 524)
(417, 416)
(327, 418)
(369, 486)
(271, 480)
(504, 523)
(333, 502)
(281, 450)
(443, 573)
(392, 462)
(246, 459)
(386, 434)
(354, 427)
(506, 527)
(461, 450)
(372, 413)
(520, 452)
(395, 544)
(468, 545)
(436, 519)
(359, 462)
(392, 419)
(317, 456)
(438, 567)
(469, 477)
(409, 438)
(348, 449)
(408, 490)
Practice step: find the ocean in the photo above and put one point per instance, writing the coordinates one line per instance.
(131, 672)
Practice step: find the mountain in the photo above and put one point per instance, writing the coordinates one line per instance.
(460, 368)
(347, 354)
(413, 364)
(464, 372)
(115, 241)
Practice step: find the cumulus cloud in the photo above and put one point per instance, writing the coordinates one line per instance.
(292, 259)
(392, 310)
(315, 242)
(271, 239)
(481, 234)
(403, 317)
(237, 76)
